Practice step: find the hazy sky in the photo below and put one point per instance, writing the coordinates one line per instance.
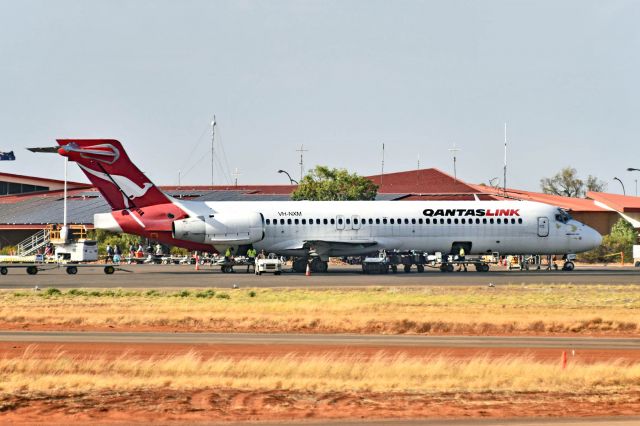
(342, 77)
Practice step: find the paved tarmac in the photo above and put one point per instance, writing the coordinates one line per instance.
(179, 276)
(324, 339)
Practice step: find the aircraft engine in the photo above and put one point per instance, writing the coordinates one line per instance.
(221, 228)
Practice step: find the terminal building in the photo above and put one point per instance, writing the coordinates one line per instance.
(29, 205)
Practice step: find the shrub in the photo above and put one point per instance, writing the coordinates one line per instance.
(52, 291)
(252, 293)
(152, 293)
(206, 294)
(222, 296)
(76, 292)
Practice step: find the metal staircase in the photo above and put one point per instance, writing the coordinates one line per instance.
(30, 245)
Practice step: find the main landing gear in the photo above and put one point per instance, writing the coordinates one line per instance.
(316, 265)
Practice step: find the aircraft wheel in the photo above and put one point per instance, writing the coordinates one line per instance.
(420, 268)
(300, 265)
(450, 267)
(485, 267)
(109, 270)
(4, 270)
(443, 267)
(32, 270)
(72, 270)
(568, 266)
(407, 268)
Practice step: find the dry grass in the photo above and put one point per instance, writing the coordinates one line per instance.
(380, 373)
(531, 309)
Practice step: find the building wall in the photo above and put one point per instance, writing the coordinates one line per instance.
(600, 221)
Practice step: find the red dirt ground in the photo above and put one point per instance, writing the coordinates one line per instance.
(225, 405)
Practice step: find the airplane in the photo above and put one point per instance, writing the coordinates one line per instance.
(313, 231)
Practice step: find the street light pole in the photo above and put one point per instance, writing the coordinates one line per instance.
(623, 191)
(291, 180)
(632, 169)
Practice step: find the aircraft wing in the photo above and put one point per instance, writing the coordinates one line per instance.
(307, 244)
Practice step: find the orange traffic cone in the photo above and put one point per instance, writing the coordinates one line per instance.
(308, 273)
(197, 263)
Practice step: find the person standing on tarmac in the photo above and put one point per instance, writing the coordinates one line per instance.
(461, 255)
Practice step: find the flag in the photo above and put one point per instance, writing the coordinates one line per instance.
(9, 156)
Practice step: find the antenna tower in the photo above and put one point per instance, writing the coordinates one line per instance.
(301, 150)
(213, 138)
(454, 151)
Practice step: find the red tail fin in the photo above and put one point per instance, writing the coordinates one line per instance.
(109, 168)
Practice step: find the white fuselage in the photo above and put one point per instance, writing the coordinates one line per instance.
(343, 228)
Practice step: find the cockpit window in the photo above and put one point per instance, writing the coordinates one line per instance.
(563, 216)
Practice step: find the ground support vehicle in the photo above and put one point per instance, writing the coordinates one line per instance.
(391, 261)
(226, 264)
(273, 265)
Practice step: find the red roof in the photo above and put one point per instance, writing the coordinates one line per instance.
(254, 189)
(422, 181)
(39, 179)
(569, 203)
(621, 203)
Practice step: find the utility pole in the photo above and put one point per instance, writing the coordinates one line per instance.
(382, 170)
(454, 151)
(504, 180)
(301, 150)
(213, 138)
(236, 173)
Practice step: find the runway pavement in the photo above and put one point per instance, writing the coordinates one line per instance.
(173, 276)
(324, 339)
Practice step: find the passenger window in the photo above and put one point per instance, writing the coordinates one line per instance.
(399, 221)
(448, 221)
(333, 221)
(491, 221)
(477, 221)
(268, 222)
(463, 221)
(455, 221)
(484, 221)
(413, 221)
(377, 221)
(392, 221)
(384, 221)
(297, 222)
(406, 221)
(339, 221)
(289, 221)
(370, 221)
(325, 221)
(348, 221)
(520, 220)
(427, 221)
(441, 221)
(498, 221)
(420, 221)
(281, 221)
(355, 221)
(304, 221)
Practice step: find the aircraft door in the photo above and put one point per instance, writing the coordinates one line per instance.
(355, 222)
(339, 222)
(543, 227)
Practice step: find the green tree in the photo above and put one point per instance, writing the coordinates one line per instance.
(621, 239)
(121, 240)
(325, 184)
(567, 184)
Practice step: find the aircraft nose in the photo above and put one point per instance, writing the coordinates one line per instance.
(592, 237)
